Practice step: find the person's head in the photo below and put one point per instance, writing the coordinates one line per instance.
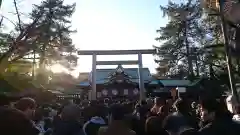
(71, 112)
(143, 111)
(93, 103)
(194, 105)
(208, 109)
(15, 122)
(137, 107)
(38, 115)
(59, 110)
(117, 112)
(149, 101)
(159, 101)
(182, 106)
(238, 109)
(189, 131)
(27, 106)
(47, 123)
(169, 102)
(153, 126)
(163, 111)
(106, 101)
(231, 104)
(143, 103)
(4, 100)
(99, 110)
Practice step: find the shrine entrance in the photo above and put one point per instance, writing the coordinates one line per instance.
(138, 62)
(119, 84)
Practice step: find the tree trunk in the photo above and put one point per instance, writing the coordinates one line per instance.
(0, 3)
(197, 65)
(211, 72)
(190, 66)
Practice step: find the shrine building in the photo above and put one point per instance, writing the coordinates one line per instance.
(124, 82)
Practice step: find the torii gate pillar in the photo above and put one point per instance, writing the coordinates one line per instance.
(94, 87)
(140, 75)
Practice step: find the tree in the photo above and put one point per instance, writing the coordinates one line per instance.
(54, 29)
(180, 36)
(216, 55)
(46, 35)
(16, 44)
(203, 35)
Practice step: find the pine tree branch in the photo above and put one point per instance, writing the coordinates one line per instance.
(26, 52)
(218, 66)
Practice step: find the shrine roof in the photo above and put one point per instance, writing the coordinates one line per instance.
(103, 74)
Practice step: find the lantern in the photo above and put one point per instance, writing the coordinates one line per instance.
(114, 92)
(135, 91)
(105, 92)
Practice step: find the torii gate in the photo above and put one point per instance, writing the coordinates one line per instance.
(138, 62)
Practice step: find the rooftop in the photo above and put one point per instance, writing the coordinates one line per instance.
(103, 74)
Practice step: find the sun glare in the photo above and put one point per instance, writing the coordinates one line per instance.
(57, 68)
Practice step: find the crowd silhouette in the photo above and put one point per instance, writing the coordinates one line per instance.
(153, 116)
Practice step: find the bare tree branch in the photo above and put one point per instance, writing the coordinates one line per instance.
(1, 21)
(18, 15)
(26, 51)
(8, 20)
(219, 66)
(23, 33)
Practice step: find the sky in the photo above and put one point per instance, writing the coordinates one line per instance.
(109, 25)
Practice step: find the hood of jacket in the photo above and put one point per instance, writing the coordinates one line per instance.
(97, 120)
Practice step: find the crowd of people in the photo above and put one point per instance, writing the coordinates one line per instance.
(158, 116)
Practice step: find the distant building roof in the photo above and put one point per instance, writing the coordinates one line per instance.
(175, 83)
(83, 76)
(154, 82)
(84, 84)
(55, 91)
(73, 91)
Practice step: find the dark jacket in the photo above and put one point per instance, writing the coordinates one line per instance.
(175, 121)
(67, 128)
(221, 126)
(14, 122)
